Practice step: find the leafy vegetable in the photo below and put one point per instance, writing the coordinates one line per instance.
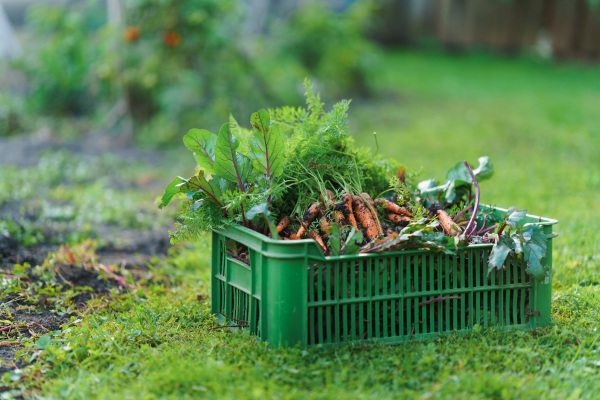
(229, 164)
(458, 183)
(528, 240)
(345, 241)
(418, 235)
(263, 210)
(202, 143)
(299, 166)
(266, 145)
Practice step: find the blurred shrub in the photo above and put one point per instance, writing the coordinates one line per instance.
(330, 47)
(184, 63)
(11, 114)
(60, 71)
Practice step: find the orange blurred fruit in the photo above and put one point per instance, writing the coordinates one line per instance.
(131, 34)
(172, 39)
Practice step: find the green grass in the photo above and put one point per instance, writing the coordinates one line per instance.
(539, 125)
(62, 197)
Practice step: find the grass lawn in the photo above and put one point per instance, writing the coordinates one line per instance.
(538, 123)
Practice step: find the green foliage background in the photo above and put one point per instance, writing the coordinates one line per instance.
(84, 66)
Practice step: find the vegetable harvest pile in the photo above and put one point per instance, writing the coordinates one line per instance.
(296, 174)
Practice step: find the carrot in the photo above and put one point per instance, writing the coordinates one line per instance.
(330, 198)
(319, 240)
(308, 217)
(392, 207)
(371, 206)
(339, 218)
(398, 219)
(364, 217)
(285, 221)
(346, 208)
(448, 224)
(326, 225)
(367, 198)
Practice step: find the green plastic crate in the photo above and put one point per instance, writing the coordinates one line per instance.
(290, 293)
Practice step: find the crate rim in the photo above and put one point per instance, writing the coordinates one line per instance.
(542, 221)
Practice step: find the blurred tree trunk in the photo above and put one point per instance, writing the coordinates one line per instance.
(121, 111)
(114, 12)
(591, 37)
(9, 45)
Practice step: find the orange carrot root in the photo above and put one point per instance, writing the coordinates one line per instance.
(338, 216)
(449, 226)
(319, 240)
(285, 221)
(330, 198)
(325, 225)
(398, 219)
(392, 207)
(348, 212)
(371, 206)
(367, 198)
(364, 217)
(308, 217)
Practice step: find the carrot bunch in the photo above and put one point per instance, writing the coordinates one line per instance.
(356, 211)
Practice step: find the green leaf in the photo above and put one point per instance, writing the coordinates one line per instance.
(266, 145)
(353, 241)
(262, 208)
(229, 164)
(171, 190)
(499, 253)
(426, 185)
(460, 172)
(416, 236)
(202, 143)
(342, 241)
(484, 171)
(452, 187)
(513, 216)
(214, 187)
(428, 188)
(534, 250)
(43, 342)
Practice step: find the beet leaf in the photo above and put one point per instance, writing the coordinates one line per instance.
(266, 146)
(229, 164)
(202, 143)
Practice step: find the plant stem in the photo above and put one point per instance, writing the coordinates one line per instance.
(501, 229)
(244, 216)
(460, 214)
(483, 231)
(476, 208)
